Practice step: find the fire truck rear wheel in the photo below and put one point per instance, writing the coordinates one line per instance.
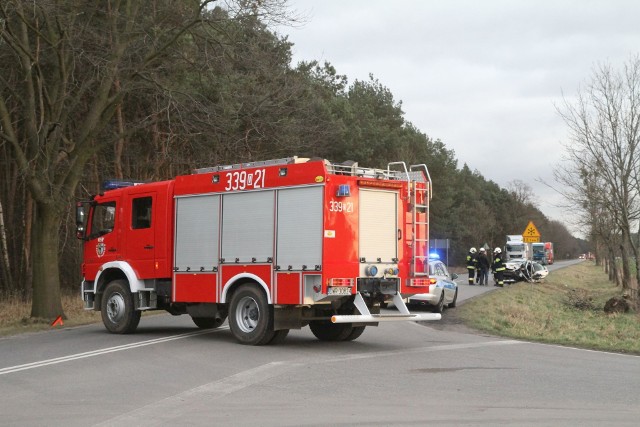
(208, 322)
(250, 317)
(355, 333)
(117, 309)
(279, 336)
(325, 330)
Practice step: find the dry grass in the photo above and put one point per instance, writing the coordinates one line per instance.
(565, 309)
(15, 315)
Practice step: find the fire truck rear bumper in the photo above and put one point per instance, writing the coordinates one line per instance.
(366, 317)
(375, 318)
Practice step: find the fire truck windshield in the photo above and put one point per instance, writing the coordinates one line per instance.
(103, 219)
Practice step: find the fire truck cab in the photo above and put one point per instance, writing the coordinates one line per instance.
(272, 246)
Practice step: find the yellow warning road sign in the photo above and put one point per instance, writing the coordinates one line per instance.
(531, 233)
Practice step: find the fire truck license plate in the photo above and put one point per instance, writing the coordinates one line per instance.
(339, 290)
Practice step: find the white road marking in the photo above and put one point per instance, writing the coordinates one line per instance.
(71, 357)
(171, 410)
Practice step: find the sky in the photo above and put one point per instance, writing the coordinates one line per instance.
(486, 77)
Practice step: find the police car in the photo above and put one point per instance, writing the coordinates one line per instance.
(443, 290)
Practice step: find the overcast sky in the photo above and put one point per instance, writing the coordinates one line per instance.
(484, 77)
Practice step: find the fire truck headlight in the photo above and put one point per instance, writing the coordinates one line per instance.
(371, 270)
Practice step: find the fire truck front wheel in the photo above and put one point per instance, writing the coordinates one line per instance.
(250, 317)
(118, 312)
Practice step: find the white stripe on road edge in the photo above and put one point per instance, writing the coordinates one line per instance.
(26, 366)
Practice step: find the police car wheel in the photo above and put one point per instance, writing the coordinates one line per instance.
(250, 317)
(453, 303)
(117, 309)
(439, 308)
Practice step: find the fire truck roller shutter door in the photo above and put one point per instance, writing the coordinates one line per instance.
(299, 228)
(378, 225)
(197, 229)
(248, 226)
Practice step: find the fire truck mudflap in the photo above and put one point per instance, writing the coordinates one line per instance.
(272, 246)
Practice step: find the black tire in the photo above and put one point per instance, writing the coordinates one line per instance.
(208, 322)
(250, 317)
(279, 336)
(453, 303)
(439, 308)
(355, 333)
(325, 330)
(117, 309)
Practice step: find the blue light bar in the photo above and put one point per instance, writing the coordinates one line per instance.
(113, 184)
(434, 255)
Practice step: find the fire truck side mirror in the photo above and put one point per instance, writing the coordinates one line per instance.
(80, 221)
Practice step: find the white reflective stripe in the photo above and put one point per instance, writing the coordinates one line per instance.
(135, 284)
(231, 281)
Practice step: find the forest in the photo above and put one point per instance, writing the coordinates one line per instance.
(149, 90)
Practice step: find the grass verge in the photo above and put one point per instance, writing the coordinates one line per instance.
(15, 315)
(565, 309)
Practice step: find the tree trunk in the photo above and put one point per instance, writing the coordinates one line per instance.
(119, 144)
(7, 282)
(626, 269)
(47, 302)
(27, 266)
(613, 268)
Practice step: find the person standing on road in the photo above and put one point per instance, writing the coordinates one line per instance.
(498, 267)
(471, 264)
(483, 268)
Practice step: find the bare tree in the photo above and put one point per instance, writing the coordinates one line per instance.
(67, 66)
(604, 122)
(521, 192)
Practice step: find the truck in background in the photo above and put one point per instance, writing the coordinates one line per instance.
(538, 252)
(548, 252)
(516, 248)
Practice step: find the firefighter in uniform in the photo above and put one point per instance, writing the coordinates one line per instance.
(482, 272)
(471, 264)
(497, 266)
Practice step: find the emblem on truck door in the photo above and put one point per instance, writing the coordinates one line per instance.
(100, 248)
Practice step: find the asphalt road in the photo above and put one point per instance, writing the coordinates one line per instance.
(170, 373)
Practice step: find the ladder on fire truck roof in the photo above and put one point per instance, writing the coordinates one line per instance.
(419, 196)
(420, 204)
(256, 164)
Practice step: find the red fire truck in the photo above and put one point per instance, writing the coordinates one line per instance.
(272, 245)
